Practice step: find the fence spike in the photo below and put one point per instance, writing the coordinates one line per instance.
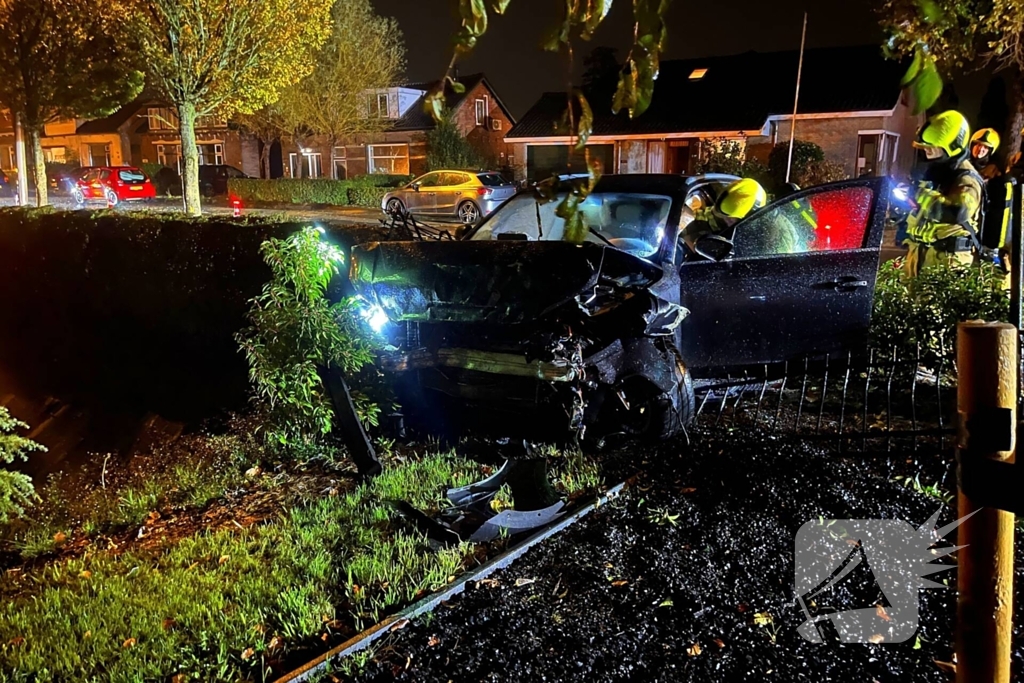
(824, 395)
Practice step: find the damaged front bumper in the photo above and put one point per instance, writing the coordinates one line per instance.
(489, 362)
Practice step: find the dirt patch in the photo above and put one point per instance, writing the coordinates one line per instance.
(689, 578)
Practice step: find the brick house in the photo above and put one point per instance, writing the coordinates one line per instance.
(401, 148)
(142, 131)
(851, 105)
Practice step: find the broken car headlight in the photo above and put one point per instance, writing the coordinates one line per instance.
(374, 316)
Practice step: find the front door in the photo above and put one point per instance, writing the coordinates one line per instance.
(450, 192)
(799, 282)
(421, 200)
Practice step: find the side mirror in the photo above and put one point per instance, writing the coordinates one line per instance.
(415, 187)
(713, 247)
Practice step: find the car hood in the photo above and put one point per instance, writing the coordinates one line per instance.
(504, 282)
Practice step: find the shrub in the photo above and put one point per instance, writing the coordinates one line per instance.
(16, 491)
(447, 147)
(805, 154)
(363, 191)
(294, 332)
(729, 156)
(922, 313)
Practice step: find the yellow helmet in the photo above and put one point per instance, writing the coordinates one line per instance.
(948, 131)
(988, 137)
(742, 197)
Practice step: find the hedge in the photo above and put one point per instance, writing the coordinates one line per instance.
(134, 310)
(364, 191)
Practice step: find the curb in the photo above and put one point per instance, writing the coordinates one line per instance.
(428, 603)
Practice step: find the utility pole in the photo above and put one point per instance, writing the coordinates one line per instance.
(20, 160)
(796, 99)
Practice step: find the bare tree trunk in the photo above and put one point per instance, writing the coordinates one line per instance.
(265, 159)
(190, 157)
(35, 144)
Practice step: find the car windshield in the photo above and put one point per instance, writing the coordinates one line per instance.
(632, 222)
(131, 175)
(492, 180)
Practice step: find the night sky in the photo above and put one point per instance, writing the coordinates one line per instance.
(520, 70)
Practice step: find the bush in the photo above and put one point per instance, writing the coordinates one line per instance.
(920, 315)
(822, 172)
(16, 490)
(729, 156)
(152, 304)
(295, 332)
(363, 191)
(805, 154)
(448, 148)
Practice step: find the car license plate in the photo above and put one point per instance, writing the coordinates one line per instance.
(136, 187)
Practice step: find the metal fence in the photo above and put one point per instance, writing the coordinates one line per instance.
(878, 400)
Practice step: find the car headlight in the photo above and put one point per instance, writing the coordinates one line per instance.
(900, 193)
(375, 317)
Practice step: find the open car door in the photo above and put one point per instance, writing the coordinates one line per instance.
(799, 281)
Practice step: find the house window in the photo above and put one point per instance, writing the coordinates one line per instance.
(305, 165)
(481, 112)
(170, 156)
(697, 74)
(392, 159)
(339, 161)
(876, 152)
(162, 118)
(55, 155)
(7, 157)
(211, 153)
(211, 122)
(377, 105)
(99, 154)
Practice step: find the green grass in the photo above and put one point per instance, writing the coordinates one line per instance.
(209, 608)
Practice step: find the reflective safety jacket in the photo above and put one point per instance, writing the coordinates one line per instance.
(947, 217)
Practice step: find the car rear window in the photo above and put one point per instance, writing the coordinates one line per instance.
(492, 180)
(131, 175)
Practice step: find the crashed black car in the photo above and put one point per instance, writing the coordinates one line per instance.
(512, 330)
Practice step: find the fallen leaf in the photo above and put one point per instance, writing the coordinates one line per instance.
(763, 618)
(524, 582)
(948, 667)
(620, 582)
(169, 623)
(667, 602)
(719, 642)
(275, 643)
(432, 641)
(689, 489)
(488, 582)
(253, 472)
(693, 650)
(223, 559)
(87, 635)
(178, 678)
(59, 537)
(259, 628)
(247, 653)
(130, 642)
(880, 611)
(917, 643)
(876, 639)
(16, 641)
(85, 574)
(400, 624)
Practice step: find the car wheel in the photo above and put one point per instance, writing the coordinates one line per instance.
(395, 206)
(112, 199)
(658, 390)
(78, 197)
(469, 214)
(207, 190)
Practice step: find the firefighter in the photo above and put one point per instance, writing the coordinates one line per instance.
(944, 223)
(984, 144)
(736, 201)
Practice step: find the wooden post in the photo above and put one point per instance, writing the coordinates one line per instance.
(987, 402)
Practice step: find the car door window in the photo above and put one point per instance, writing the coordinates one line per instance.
(821, 221)
(430, 180)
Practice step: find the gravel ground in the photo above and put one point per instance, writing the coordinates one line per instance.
(688, 577)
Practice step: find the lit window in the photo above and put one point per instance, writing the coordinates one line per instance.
(162, 118)
(697, 74)
(393, 159)
(481, 112)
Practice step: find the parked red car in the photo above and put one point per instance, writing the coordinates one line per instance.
(113, 185)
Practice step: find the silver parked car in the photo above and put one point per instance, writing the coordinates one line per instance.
(466, 195)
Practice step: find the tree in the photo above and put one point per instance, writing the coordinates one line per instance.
(225, 57)
(266, 125)
(364, 52)
(16, 490)
(63, 59)
(601, 73)
(955, 35)
(448, 148)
